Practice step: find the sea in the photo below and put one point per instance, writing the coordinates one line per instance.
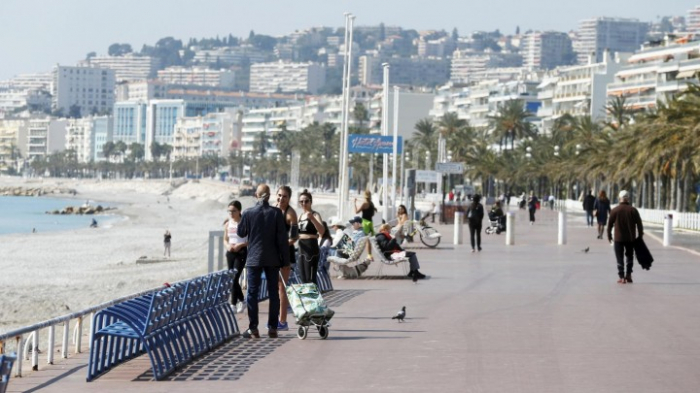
(28, 214)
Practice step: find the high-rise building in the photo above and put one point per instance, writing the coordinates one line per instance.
(197, 76)
(546, 50)
(466, 63)
(282, 77)
(87, 90)
(692, 23)
(129, 67)
(614, 34)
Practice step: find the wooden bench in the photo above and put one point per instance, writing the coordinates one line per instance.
(173, 326)
(6, 362)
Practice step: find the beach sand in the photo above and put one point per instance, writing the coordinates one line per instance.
(47, 275)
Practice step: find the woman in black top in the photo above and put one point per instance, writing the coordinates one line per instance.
(475, 215)
(310, 230)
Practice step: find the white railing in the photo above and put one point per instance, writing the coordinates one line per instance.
(23, 347)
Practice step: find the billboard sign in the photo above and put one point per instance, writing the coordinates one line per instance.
(361, 143)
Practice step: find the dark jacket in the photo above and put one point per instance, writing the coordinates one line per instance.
(626, 221)
(588, 202)
(388, 246)
(267, 236)
(602, 208)
(476, 210)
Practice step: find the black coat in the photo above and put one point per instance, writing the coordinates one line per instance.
(388, 246)
(642, 252)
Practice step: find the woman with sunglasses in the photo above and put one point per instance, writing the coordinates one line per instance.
(310, 230)
(290, 222)
(236, 251)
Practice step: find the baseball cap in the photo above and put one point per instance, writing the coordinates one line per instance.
(624, 194)
(356, 219)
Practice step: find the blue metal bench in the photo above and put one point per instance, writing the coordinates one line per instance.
(173, 326)
(6, 362)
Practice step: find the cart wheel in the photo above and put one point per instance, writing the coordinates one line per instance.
(323, 332)
(302, 332)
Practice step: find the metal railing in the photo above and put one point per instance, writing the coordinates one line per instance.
(22, 347)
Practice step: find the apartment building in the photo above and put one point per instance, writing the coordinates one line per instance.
(413, 71)
(10, 152)
(597, 35)
(127, 68)
(657, 73)
(692, 22)
(547, 50)
(284, 77)
(86, 89)
(130, 122)
(236, 55)
(441, 47)
(199, 76)
(199, 136)
(41, 136)
(35, 81)
(87, 136)
(466, 63)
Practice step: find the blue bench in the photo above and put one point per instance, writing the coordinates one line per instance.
(173, 326)
(6, 362)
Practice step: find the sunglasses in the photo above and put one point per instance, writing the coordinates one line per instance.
(304, 201)
(282, 196)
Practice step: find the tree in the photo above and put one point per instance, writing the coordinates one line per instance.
(90, 55)
(108, 150)
(510, 123)
(424, 138)
(119, 49)
(136, 152)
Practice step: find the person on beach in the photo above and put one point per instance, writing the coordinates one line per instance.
(310, 230)
(532, 206)
(475, 217)
(236, 251)
(268, 251)
(601, 209)
(389, 246)
(588, 202)
(93, 224)
(166, 243)
(628, 226)
(284, 193)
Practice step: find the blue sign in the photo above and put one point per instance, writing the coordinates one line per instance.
(360, 143)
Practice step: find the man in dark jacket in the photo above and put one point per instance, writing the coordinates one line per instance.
(268, 250)
(588, 202)
(627, 223)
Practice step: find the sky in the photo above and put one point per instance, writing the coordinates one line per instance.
(37, 34)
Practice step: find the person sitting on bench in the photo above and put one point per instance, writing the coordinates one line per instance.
(389, 245)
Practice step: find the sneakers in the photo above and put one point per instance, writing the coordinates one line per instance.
(628, 279)
(272, 333)
(418, 275)
(250, 333)
(240, 306)
(479, 249)
(282, 326)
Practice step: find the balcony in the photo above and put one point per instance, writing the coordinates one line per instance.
(545, 95)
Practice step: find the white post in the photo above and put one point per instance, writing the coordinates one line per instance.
(64, 345)
(459, 221)
(396, 147)
(562, 228)
(342, 173)
(668, 229)
(50, 346)
(385, 132)
(35, 350)
(346, 107)
(510, 228)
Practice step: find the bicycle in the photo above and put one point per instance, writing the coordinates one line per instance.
(428, 235)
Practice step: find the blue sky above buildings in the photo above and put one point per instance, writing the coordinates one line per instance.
(36, 34)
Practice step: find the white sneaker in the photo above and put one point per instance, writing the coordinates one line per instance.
(240, 306)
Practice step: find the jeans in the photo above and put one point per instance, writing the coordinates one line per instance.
(254, 279)
(475, 232)
(412, 260)
(625, 249)
(236, 260)
(589, 217)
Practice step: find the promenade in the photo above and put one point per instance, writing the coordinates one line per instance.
(533, 317)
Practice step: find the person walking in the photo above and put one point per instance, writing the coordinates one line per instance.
(310, 230)
(167, 237)
(284, 193)
(588, 202)
(601, 209)
(475, 216)
(628, 226)
(268, 251)
(236, 251)
(532, 206)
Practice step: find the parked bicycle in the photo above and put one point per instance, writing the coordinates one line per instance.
(428, 235)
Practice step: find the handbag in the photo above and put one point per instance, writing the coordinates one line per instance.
(595, 213)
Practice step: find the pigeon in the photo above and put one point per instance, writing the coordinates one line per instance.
(585, 250)
(400, 315)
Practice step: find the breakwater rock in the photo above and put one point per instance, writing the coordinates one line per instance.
(35, 191)
(84, 209)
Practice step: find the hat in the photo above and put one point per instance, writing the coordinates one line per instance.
(335, 221)
(356, 219)
(624, 194)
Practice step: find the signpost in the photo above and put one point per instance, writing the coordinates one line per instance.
(450, 167)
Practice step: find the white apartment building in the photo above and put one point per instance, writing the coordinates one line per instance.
(10, 130)
(657, 73)
(87, 136)
(41, 136)
(36, 81)
(546, 50)
(236, 55)
(204, 135)
(129, 67)
(577, 90)
(89, 89)
(197, 76)
(441, 47)
(281, 77)
(692, 22)
(466, 63)
(141, 90)
(614, 34)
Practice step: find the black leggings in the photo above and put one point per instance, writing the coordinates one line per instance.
(475, 231)
(308, 260)
(236, 260)
(532, 214)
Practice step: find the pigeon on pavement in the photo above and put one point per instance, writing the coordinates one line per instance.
(585, 250)
(400, 315)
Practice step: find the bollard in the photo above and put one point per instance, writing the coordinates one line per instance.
(668, 229)
(459, 221)
(562, 228)
(510, 228)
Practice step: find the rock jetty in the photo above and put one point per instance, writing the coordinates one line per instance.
(84, 209)
(35, 191)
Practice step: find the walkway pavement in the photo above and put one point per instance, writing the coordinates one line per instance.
(533, 317)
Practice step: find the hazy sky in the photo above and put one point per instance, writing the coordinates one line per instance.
(36, 34)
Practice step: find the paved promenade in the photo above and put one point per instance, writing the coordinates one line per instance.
(533, 317)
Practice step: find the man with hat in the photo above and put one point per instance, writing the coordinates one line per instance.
(627, 223)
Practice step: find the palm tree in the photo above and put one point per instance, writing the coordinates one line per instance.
(510, 123)
(108, 150)
(424, 138)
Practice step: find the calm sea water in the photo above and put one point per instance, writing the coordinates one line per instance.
(23, 214)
